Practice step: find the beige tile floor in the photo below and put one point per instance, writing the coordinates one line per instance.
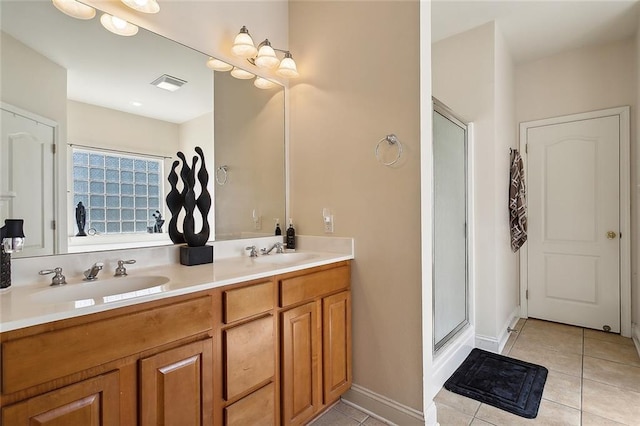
(594, 380)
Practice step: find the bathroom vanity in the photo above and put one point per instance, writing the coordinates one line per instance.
(261, 341)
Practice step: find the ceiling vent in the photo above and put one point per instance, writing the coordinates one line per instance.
(168, 82)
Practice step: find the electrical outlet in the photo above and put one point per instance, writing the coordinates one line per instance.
(327, 219)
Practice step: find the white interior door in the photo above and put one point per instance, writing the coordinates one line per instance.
(573, 173)
(27, 180)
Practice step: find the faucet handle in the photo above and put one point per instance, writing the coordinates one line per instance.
(254, 251)
(121, 271)
(58, 278)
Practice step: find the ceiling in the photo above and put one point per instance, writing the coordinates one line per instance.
(534, 29)
(113, 71)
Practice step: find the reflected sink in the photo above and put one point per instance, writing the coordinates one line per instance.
(102, 290)
(283, 258)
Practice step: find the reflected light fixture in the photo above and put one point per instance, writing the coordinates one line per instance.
(243, 44)
(75, 9)
(167, 82)
(241, 74)
(265, 55)
(263, 83)
(218, 65)
(144, 6)
(118, 25)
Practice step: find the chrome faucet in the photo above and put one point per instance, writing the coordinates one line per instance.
(92, 273)
(254, 251)
(121, 271)
(58, 278)
(278, 246)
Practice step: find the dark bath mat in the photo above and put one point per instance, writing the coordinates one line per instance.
(506, 383)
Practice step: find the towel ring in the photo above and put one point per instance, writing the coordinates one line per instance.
(224, 170)
(391, 139)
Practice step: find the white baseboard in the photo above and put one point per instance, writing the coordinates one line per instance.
(383, 408)
(635, 335)
(496, 344)
(449, 358)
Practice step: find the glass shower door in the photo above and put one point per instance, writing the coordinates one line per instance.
(450, 285)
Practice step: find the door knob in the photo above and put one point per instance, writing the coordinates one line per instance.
(611, 235)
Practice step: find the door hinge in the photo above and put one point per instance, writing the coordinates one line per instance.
(465, 230)
(53, 148)
(620, 235)
(53, 224)
(526, 294)
(526, 148)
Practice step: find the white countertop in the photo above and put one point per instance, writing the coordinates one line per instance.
(28, 305)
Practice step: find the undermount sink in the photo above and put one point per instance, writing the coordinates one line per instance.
(283, 258)
(104, 290)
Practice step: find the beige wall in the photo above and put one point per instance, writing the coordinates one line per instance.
(580, 80)
(100, 127)
(360, 82)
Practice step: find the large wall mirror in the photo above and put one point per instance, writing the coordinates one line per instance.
(71, 82)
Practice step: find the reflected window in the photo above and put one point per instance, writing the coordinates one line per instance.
(120, 192)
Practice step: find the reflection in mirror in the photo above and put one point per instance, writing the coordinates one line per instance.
(90, 91)
(249, 153)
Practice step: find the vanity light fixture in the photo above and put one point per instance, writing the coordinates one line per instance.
(243, 44)
(263, 83)
(218, 65)
(144, 6)
(74, 9)
(265, 55)
(168, 82)
(241, 74)
(118, 25)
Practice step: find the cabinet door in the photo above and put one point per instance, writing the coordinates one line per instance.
(91, 402)
(336, 345)
(256, 409)
(177, 386)
(300, 364)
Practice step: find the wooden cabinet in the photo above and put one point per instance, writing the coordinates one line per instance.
(90, 402)
(248, 361)
(176, 386)
(271, 351)
(316, 340)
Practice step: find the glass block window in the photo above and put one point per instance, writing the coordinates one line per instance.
(120, 192)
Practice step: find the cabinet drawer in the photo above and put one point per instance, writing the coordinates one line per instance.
(244, 302)
(40, 358)
(249, 351)
(310, 286)
(256, 409)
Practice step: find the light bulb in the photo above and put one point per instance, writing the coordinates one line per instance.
(241, 74)
(144, 6)
(263, 83)
(218, 65)
(266, 56)
(288, 67)
(118, 25)
(74, 9)
(243, 44)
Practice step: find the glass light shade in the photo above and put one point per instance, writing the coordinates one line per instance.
(287, 67)
(144, 6)
(218, 65)
(263, 83)
(267, 57)
(75, 9)
(241, 74)
(11, 245)
(243, 45)
(117, 25)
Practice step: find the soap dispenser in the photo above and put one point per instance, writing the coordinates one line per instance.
(291, 236)
(278, 230)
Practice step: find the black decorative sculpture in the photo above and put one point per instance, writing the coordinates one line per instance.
(81, 219)
(157, 227)
(196, 252)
